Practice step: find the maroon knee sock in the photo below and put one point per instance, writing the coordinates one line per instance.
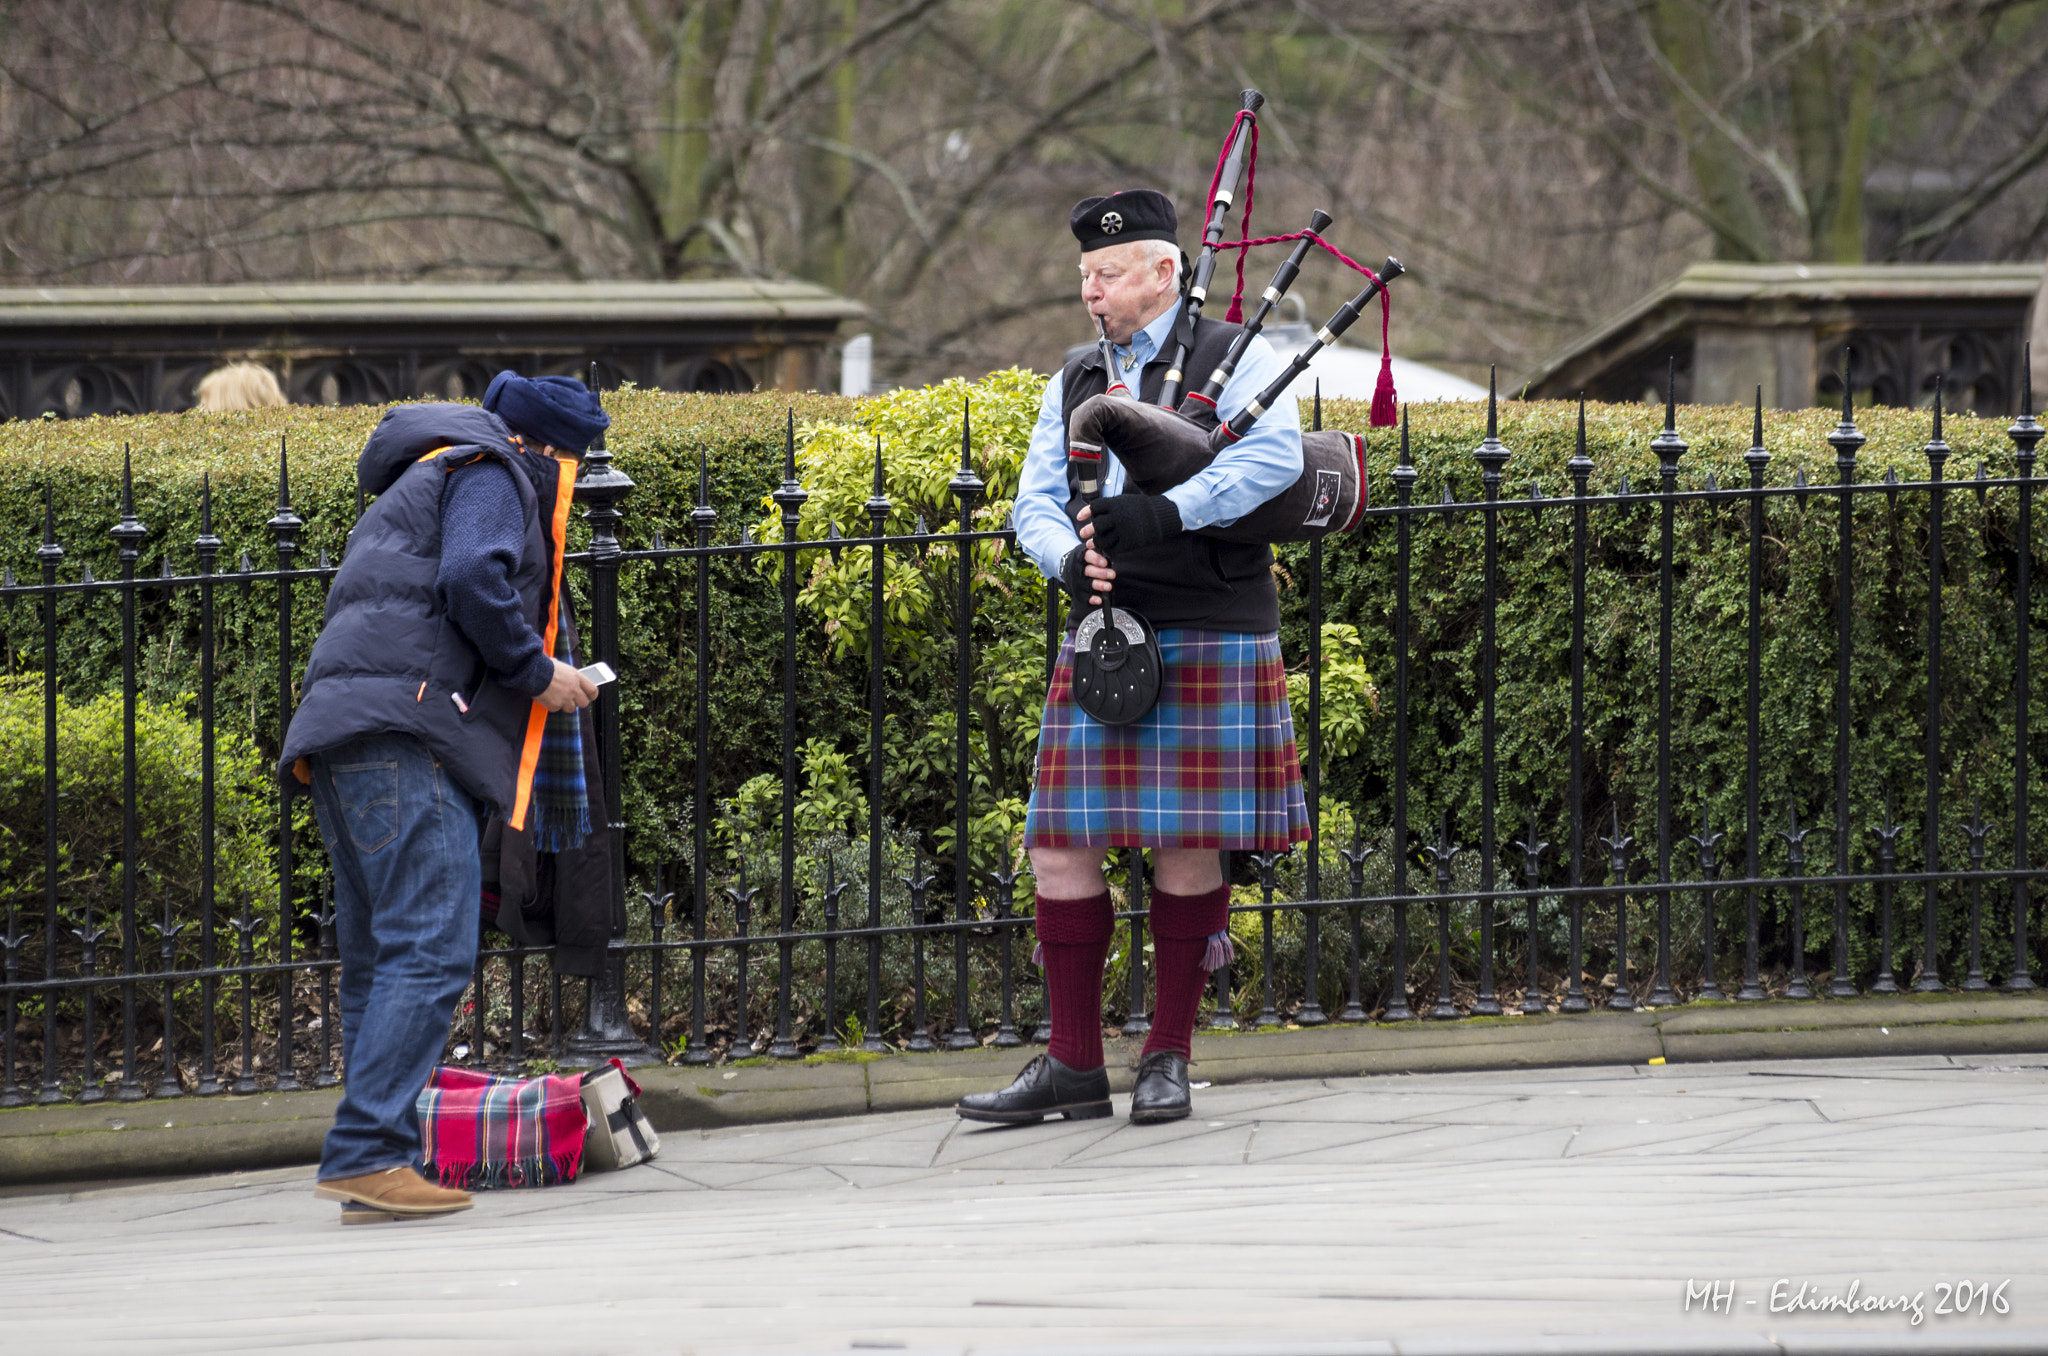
(1181, 928)
(1073, 941)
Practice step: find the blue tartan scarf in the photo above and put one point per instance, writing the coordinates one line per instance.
(560, 811)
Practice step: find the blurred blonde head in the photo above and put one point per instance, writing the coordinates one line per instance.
(239, 386)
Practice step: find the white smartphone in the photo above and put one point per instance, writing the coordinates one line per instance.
(599, 673)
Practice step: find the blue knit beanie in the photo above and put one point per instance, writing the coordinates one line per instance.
(557, 410)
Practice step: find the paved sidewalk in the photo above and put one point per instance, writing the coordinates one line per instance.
(1457, 1212)
(40, 1145)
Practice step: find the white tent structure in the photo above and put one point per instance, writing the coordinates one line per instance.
(1352, 373)
(1347, 373)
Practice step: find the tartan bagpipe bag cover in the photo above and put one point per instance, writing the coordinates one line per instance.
(481, 1131)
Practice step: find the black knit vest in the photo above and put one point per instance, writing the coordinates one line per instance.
(1189, 581)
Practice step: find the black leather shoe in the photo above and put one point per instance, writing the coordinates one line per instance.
(1045, 1088)
(1162, 1090)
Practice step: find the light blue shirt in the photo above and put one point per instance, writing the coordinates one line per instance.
(1243, 476)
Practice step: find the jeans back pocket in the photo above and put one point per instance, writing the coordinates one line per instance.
(368, 793)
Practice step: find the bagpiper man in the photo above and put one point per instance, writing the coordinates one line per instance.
(1212, 767)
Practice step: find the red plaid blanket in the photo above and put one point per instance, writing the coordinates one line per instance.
(479, 1131)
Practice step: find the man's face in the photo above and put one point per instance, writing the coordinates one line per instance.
(1128, 293)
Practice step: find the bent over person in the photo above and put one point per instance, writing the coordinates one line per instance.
(1212, 767)
(441, 690)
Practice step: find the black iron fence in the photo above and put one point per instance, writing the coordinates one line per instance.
(239, 992)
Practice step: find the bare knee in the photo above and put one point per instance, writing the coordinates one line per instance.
(1186, 871)
(1067, 873)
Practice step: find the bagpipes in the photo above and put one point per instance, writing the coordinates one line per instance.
(1161, 446)
(1117, 671)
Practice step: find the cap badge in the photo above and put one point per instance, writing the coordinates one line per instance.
(1112, 222)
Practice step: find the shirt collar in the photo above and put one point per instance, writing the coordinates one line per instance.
(1146, 344)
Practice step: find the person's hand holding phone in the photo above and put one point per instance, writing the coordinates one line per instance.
(568, 691)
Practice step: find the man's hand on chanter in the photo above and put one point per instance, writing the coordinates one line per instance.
(568, 690)
(1131, 522)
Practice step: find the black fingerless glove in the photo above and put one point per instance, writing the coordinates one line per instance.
(1132, 522)
(1074, 574)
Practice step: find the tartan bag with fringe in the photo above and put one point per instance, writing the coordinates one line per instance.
(482, 1132)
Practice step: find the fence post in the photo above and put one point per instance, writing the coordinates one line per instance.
(878, 507)
(1846, 440)
(1580, 467)
(1397, 1009)
(129, 532)
(1669, 447)
(606, 1033)
(966, 487)
(2025, 433)
(1491, 457)
(696, 1049)
(789, 498)
(208, 547)
(1311, 1010)
(50, 555)
(285, 526)
(1937, 452)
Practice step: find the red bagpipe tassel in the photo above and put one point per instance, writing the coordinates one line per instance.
(1385, 408)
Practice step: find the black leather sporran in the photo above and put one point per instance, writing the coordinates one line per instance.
(1117, 669)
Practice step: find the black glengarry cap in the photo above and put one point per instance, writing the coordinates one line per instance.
(1118, 219)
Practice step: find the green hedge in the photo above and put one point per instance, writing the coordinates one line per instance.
(658, 438)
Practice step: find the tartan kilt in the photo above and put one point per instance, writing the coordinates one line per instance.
(1213, 765)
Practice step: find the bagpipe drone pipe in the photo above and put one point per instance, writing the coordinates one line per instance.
(1161, 448)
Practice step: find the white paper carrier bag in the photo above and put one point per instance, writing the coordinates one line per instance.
(619, 1134)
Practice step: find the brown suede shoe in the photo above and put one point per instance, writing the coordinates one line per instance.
(395, 1193)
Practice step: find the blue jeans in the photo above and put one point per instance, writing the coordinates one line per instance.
(403, 840)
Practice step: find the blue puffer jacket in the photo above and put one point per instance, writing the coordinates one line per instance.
(389, 659)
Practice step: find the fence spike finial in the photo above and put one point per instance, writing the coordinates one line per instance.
(50, 553)
(1848, 406)
(703, 478)
(1671, 394)
(881, 485)
(129, 531)
(2027, 379)
(1319, 406)
(1938, 377)
(1405, 459)
(284, 474)
(1492, 415)
(789, 447)
(1756, 436)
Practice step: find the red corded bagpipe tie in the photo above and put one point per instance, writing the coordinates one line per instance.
(1384, 403)
(1235, 315)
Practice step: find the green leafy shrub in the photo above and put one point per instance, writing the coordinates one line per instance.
(1348, 698)
(917, 434)
(89, 807)
(661, 440)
